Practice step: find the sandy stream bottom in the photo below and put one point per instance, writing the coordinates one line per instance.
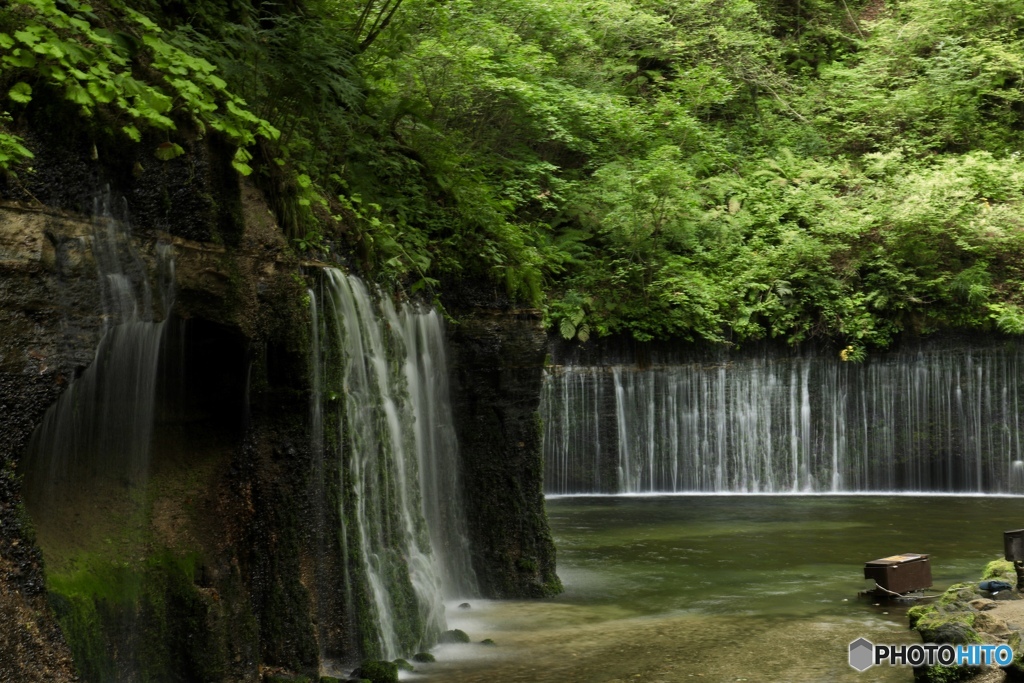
(549, 641)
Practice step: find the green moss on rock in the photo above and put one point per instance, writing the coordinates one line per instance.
(916, 613)
(424, 657)
(956, 627)
(958, 595)
(404, 665)
(377, 671)
(148, 621)
(454, 636)
(1000, 569)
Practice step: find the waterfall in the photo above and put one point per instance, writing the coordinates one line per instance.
(930, 418)
(437, 449)
(100, 427)
(380, 402)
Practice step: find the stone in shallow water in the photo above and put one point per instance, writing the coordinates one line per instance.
(424, 657)
(454, 636)
(465, 605)
(377, 671)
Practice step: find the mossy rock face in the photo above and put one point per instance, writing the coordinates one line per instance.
(377, 671)
(286, 678)
(454, 636)
(404, 665)
(329, 679)
(424, 657)
(177, 632)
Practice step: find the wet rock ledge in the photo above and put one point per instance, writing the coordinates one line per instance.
(965, 614)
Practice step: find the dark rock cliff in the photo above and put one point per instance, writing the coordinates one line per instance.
(229, 566)
(49, 326)
(498, 358)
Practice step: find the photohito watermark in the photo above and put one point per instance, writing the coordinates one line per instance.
(864, 654)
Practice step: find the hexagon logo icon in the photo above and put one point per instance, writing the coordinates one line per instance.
(862, 654)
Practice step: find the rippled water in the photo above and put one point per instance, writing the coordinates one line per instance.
(721, 588)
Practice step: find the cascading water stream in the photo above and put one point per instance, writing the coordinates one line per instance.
(929, 419)
(383, 371)
(437, 448)
(101, 426)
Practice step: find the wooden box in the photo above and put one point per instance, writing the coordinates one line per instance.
(900, 573)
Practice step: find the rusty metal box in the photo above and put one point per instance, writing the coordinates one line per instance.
(900, 573)
(1013, 544)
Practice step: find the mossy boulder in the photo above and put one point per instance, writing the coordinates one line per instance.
(454, 636)
(424, 657)
(404, 665)
(488, 641)
(915, 613)
(377, 671)
(953, 627)
(959, 595)
(1000, 569)
(329, 679)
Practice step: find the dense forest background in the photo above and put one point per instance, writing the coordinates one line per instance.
(709, 169)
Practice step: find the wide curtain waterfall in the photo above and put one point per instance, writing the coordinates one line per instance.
(938, 417)
(380, 405)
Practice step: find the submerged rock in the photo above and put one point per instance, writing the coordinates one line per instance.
(403, 665)
(488, 641)
(454, 636)
(424, 657)
(377, 671)
(465, 605)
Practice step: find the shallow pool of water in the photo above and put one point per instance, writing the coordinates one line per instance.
(721, 588)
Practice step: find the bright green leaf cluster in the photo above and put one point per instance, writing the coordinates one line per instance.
(66, 47)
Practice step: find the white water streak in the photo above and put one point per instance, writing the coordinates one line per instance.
(397, 441)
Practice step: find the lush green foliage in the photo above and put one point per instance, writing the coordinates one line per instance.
(66, 46)
(713, 169)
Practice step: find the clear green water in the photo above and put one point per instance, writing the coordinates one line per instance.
(722, 588)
